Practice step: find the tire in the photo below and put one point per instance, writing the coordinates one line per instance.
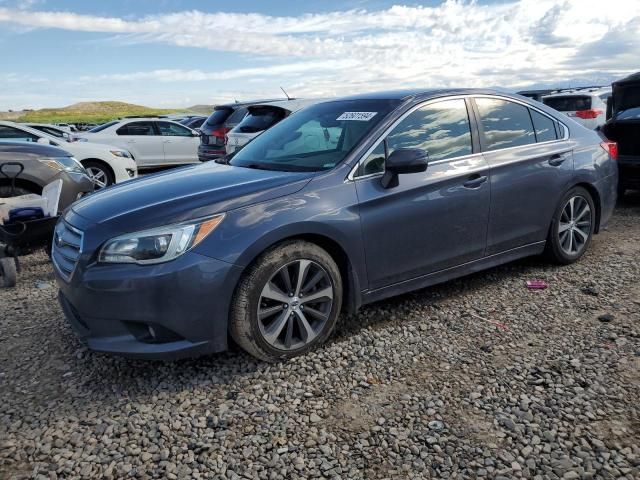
(8, 273)
(100, 173)
(566, 248)
(6, 191)
(292, 323)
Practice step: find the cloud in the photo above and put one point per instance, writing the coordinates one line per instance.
(458, 43)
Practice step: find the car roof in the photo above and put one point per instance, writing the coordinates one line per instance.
(291, 105)
(408, 94)
(32, 148)
(580, 92)
(248, 103)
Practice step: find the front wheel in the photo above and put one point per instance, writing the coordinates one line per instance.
(99, 173)
(287, 303)
(572, 227)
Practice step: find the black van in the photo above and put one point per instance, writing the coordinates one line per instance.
(623, 127)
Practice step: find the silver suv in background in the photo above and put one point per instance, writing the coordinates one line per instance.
(43, 164)
(261, 117)
(588, 107)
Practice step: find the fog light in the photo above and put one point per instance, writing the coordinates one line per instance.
(131, 173)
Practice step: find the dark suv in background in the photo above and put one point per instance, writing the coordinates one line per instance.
(623, 127)
(215, 128)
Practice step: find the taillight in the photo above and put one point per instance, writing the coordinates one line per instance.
(611, 148)
(588, 114)
(218, 136)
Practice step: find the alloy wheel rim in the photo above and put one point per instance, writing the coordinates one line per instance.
(575, 225)
(295, 304)
(98, 176)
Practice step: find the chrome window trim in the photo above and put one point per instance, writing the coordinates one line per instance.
(352, 173)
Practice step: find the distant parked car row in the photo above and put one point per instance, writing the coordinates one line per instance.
(106, 164)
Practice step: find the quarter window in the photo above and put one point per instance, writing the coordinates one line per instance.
(544, 126)
(440, 128)
(505, 124)
(137, 128)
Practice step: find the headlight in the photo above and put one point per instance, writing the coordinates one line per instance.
(120, 153)
(68, 164)
(158, 244)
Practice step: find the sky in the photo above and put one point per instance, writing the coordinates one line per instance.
(177, 53)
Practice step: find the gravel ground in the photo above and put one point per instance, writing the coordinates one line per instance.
(479, 377)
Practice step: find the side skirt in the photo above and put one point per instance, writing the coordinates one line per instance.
(451, 273)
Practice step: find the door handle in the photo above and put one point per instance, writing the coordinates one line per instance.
(475, 181)
(131, 141)
(558, 158)
(167, 141)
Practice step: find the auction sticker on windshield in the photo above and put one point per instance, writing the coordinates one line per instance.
(357, 116)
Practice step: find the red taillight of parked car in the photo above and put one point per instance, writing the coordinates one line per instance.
(218, 136)
(611, 148)
(589, 114)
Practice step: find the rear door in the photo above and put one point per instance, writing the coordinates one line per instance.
(531, 168)
(142, 139)
(432, 220)
(180, 144)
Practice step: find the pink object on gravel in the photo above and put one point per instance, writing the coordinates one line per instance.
(536, 284)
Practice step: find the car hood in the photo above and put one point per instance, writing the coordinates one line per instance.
(184, 194)
(88, 148)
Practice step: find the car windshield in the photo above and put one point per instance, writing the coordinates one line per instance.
(316, 138)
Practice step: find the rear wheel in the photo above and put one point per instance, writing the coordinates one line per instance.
(287, 303)
(572, 227)
(101, 175)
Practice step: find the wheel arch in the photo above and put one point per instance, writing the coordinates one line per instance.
(597, 202)
(23, 183)
(101, 162)
(352, 298)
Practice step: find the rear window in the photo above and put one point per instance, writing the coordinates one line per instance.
(218, 116)
(259, 119)
(236, 117)
(568, 103)
(104, 126)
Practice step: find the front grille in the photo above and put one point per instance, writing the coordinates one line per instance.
(66, 250)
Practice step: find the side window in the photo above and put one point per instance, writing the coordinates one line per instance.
(16, 135)
(544, 127)
(168, 129)
(441, 128)
(136, 128)
(505, 124)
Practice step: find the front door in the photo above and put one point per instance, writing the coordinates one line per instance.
(179, 142)
(144, 143)
(432, 220)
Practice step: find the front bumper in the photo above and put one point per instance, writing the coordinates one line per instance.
(629, 171)
(124, 169)
(166, 311)
(207, 153)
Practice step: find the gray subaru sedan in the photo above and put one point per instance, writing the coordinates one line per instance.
(341, 204)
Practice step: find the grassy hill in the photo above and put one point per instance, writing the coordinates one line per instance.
(85, 112)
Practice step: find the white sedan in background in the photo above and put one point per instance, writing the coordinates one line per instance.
(153, 142)
(105, 164)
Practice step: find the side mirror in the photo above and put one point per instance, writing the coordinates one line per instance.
(43, 141)
(195, 133)
(401, 161)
